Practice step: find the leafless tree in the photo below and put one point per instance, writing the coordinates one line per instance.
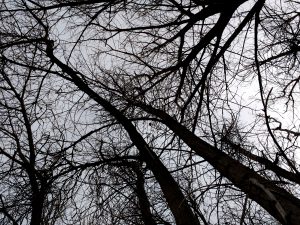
(149, 112)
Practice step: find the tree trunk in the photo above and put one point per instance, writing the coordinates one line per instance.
(278, 202)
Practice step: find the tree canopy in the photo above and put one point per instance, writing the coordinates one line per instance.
(149, 112)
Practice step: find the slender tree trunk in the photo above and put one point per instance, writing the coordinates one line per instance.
(143, 200)
(37, 209)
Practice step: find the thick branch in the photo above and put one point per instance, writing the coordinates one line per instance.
(175, 198)
(241, 176)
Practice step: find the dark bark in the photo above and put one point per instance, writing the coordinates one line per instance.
(266, 162)
(177, 202)
(277, 201)
(144, 203)
(37, 208)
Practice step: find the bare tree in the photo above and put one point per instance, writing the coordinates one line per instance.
(149, 112)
